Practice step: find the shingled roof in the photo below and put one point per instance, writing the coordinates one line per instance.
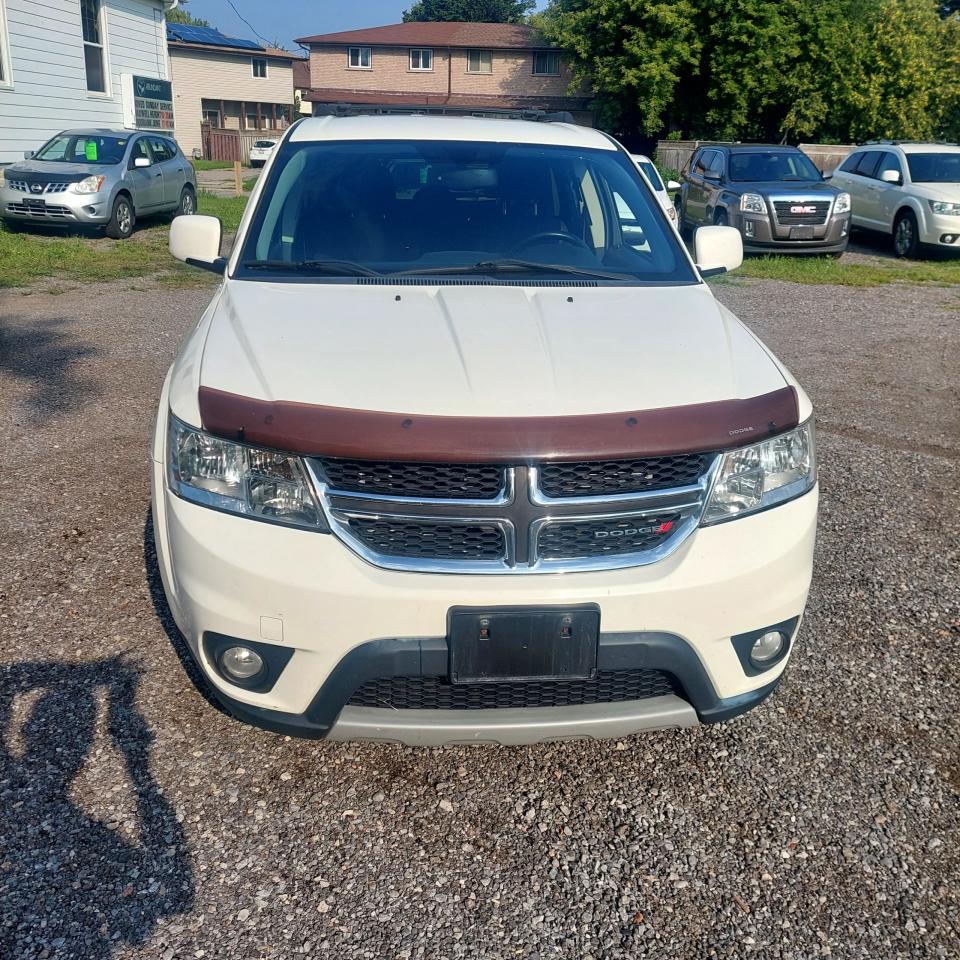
(487, 36)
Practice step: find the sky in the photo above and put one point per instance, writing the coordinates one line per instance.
(285, 20)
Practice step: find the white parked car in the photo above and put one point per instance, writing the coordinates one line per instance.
(463, 461)
(908, 190)
(649, 169)
(260, 152)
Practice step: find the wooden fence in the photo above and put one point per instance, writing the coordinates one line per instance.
(221, 144)
(676, 154)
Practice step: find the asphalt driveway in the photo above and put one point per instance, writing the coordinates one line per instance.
(138, 821)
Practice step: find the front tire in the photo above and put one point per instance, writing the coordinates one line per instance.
(122, 219)
(906, 235)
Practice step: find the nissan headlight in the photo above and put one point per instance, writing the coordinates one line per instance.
(842, 203)
(763, 475)
(753, 203)
(945, 206)
(237, 478)
(91, 184)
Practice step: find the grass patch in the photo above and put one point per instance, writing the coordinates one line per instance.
(248, 184)
(849, 272)
(212, 164)
(28, 257)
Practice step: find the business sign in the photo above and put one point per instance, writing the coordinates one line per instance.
(147, 103)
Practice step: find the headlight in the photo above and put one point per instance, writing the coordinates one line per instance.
(842, 204)
(944, 206)
(671, 212)
(752, 203)
(90, 184)
(240, 479)
(762, 475)
(3, 178)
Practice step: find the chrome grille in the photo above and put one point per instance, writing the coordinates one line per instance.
(23, 186)
(437, 693)
(794, 212)
(515, 519)
(49, 211)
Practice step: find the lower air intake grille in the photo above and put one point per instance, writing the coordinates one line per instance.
(437, 693)
(603, 537)
(607, 477)
(447, 481)
(430, 539)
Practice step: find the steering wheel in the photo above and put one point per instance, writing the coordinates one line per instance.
(549, 235)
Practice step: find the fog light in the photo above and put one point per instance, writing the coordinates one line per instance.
(948, 238)
(748, 228)
(241, 663)
(767, 648)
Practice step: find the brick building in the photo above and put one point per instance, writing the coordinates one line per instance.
(485, 69)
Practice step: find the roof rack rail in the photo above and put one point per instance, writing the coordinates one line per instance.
(896, 143)
(343, 109)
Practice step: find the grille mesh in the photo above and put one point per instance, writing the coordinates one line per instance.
(449, 481)
(437, 693)
(784, 215)
(430, 539)
(606, 477)
(604, 538)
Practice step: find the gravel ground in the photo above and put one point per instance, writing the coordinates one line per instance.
(136, 821)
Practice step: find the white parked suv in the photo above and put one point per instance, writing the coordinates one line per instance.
(649, 169)
(910, 191)
(458, 452)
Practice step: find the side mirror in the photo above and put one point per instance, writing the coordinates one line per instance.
(27, 154)
(673, 185)
(716, 250)
(827, 176)
(141, 162)
(196, 240)
(891, 176)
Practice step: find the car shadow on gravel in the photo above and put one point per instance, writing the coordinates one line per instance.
(162, 609)
(44, 357)
(74, 882)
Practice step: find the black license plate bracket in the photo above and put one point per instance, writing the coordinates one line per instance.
(801, 233)
(523, 643)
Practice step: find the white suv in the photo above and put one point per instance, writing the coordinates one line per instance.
(908, 190)
(465, 449)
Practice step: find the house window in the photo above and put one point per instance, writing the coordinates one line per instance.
(421, 59)
(546, 63)
(358, 58)
(479, 61)
(212, 117)
(92, 21)
(259, 67)
(250, 120)
(6, 80)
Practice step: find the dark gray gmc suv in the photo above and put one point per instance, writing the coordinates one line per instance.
(774, 195)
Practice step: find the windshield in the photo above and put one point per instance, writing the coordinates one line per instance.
(83, 148)
(652, 175)
(770, 167)
(446, 207)
(934, 167)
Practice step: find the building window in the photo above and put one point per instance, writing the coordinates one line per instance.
(6, 78)
(421, 59)
(91, 18)
(250, 120)
(212, 117)
(546, 63)
(479, 61)
(358, 58)
(259, 67)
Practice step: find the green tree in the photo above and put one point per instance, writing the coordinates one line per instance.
(475, 11)
(179, 15)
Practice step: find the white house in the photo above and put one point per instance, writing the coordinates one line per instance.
(81, 63)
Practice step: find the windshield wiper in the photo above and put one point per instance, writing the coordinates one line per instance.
(343, 268)
(510, 265)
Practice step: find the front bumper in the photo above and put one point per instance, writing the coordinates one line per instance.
(56, 208)
(935, 226)
(309, 594)
(764, 235)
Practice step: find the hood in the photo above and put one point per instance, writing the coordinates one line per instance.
(51, 171)
(807, 188)
(481, 351)
(950, 192)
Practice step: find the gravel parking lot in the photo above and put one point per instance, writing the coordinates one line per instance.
(137, 821)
